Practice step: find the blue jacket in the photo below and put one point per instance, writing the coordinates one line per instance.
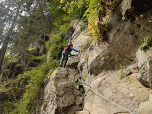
(70, 49)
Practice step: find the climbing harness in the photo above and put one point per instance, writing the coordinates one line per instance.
(65, 52)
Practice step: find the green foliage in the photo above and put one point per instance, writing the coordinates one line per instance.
(12, 90)
(26, 34)
(37, 75)
(70, 6)
(76, 8)
(31, 96)
(84, 78)
(82, 27)
(136, 18)
(146, 43)
(8, 106)
(30, 48)
(7, 60)
(132, 8)
(34, 80)
(29, 28)
(61, 16)
(92, 11)
(86, 59)
(88, 41)
(56, 46)
(82, 107)
(121, 10)
(122, 75)
(96, 10)
(92, 15)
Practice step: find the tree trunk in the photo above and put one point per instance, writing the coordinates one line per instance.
(44, 19)
(6, 41)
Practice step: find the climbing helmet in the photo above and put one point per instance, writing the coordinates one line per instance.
(70, 44)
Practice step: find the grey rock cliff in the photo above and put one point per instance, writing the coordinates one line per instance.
(101, 66)
(61, 94)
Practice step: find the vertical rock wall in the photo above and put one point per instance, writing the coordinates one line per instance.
(101, 66)
(61, 94)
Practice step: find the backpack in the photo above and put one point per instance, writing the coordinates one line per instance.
(66, 48)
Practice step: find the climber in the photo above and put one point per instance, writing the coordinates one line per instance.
(67, 51)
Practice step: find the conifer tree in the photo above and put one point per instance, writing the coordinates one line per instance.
(40, 3)
(11, 25)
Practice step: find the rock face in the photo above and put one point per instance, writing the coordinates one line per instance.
(61, 94)
(102, 66)
(123, 40)
(145, 65)
(142, 56)
(145, 107)
(124, 36)
(128, 93)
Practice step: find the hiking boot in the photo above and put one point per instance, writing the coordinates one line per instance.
(60, 65)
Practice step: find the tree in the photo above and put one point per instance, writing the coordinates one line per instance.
(43, 16)
(4, 17)
(61, 17)
(8, 34)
